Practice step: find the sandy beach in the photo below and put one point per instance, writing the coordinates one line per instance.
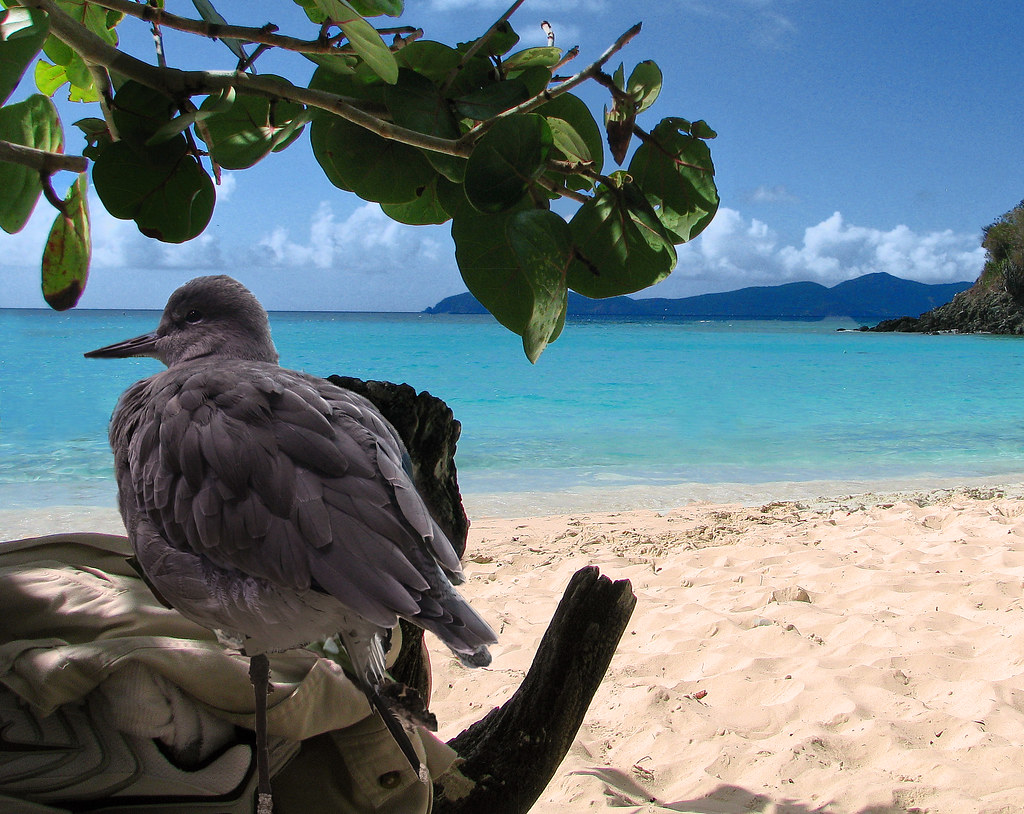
(853, 655)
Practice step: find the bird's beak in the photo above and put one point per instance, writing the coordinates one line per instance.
(144, 345)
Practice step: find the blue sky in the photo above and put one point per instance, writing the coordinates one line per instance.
(853, 137)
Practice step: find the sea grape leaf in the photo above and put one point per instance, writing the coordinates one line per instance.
(250, 128)
(535, 79)
(490, 267)
(22, 34)
(425, 208)
(545, 56)
(434, 60)
(568, 142)
(363, 38)
(621, 246)
(164, 190)
(374, 168)
(506, 162)
(498, 41)
(68, 250)
(575, 112)
(99, 21)
(140, 112)
(31, 123)
(375, 8)
(676, 174)
(542, 244)
(644, 84)
(416, 103)
(97, 136)
(492, 99)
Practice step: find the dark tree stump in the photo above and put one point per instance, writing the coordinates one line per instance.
(511, 754)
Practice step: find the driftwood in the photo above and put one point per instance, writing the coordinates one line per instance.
(511, 754)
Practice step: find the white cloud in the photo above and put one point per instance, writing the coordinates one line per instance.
(734, 252)
(765, 24)
(771, 194)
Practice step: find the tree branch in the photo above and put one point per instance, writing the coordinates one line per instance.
(41, 160)
(176, 83)
(263, 36)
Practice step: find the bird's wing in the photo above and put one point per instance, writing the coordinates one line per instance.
(286, 478)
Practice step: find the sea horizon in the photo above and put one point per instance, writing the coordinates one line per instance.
(619, 412)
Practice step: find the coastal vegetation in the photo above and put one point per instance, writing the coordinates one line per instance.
(481, 133)
(995, 303)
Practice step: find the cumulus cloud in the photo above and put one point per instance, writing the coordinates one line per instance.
(735, 251)
(363, 261)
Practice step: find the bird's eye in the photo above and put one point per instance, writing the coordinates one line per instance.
(193, 317)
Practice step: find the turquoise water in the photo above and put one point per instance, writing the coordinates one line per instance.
(612, 403)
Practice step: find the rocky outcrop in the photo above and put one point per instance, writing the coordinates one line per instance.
(986, 307)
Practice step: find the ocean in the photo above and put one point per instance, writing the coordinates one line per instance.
(618, 413)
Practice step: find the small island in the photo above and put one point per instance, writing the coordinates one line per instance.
(995, 303)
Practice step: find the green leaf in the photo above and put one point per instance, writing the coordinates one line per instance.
(675, 173)
(49, 77)
(31, 123)
(621, 247)
(375, 8)
(22, 33)
(216, 103)
(506, 162)
(250, 128)
(344, 64)
(97, 136)
(568, 142)
(425, 208)
(164, 190)
(416, 103)
(644, 84)
(68, 250)
(363, 38)
(499, 41)
(490, 267)
(433, 60)
(140, 112)
(546, 57)
(374, 168)
(575, 112)
(490, 100)
(542, 244)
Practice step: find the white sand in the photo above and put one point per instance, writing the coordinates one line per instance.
(899, 687)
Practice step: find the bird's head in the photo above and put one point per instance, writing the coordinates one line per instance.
(207, 317)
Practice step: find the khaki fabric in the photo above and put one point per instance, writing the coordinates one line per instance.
(133, 701)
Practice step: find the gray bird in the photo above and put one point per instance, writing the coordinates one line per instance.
(273, 505)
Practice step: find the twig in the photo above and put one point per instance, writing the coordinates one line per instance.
(101, 79)
(41, 160)
(51, 195)
(565, 192)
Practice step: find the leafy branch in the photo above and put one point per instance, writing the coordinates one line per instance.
(479, 135)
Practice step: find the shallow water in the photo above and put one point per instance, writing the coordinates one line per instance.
(666, 406)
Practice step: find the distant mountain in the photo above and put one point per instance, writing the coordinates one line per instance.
(870, 298)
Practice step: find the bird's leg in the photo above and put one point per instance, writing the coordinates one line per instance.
(259, 675)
